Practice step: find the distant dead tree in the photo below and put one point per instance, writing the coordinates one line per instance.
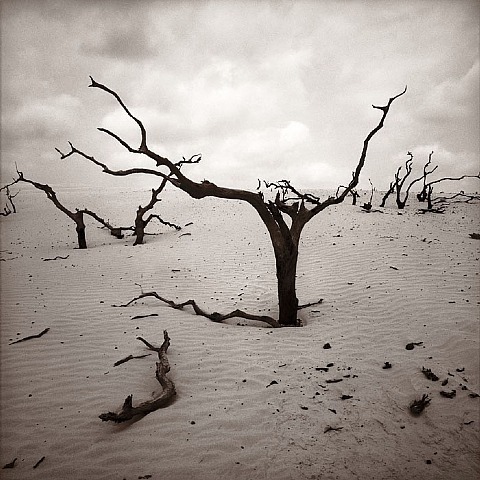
(288, 201)
(141, 223)
(78, 215)
(429, 192)
(423, 194)
(354, 193)
(400, 179)
(390, 190)
(368, 205)
(9, 207)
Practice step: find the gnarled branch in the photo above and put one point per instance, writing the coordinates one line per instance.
(128, 411)
(214, 317)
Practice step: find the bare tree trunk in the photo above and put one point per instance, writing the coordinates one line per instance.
(139, 228)
(286, 264)
(82, 241)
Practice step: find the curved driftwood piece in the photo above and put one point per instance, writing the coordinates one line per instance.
(128, 411)
(214, 317)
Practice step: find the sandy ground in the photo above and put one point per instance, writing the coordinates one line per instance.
(252, 402)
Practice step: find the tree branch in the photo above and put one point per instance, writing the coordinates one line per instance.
(128, 411)
(214, 317)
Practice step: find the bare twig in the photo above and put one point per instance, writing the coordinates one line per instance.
(127, 359)
(58, 257)
(24, 339)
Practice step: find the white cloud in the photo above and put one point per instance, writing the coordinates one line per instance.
(257, 87)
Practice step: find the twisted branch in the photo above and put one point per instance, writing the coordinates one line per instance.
(128, 411)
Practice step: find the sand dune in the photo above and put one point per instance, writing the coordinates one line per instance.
(252, 402)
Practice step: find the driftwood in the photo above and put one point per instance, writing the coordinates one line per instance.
(214, 317)
(128, 411)
(24, 339)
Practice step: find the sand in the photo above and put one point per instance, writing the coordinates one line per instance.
(252, 402)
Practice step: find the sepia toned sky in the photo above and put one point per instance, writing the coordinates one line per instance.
(263, 89)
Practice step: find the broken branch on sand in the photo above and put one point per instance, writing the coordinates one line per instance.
(128, 411)
(214, 317)
(24, 339)
(311, 304)
(130, 357)
(58, 257)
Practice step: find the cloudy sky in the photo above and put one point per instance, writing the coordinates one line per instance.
(263, 89)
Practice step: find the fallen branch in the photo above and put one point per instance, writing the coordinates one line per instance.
(311, 304)
(130, 357)
(214, 317)
(136, 317)
(38, 335)
(58, 257)
(10, 464)
(128, 411)
(39, 462)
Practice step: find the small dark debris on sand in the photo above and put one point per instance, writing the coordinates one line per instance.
(412, 345)
(417, 406)
(332, 429)
(11, 464)
(39, 462)
(429, 374)
(387, 365)
(451, 394)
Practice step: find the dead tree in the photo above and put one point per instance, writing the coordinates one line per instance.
(422, 196)
(290, 202)
(400, 180)
(368, 206)
(77, 216)
(9, 207)
(390, 190)
(355, 195)
(141, 223)
(429, 190)
(114, 231)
